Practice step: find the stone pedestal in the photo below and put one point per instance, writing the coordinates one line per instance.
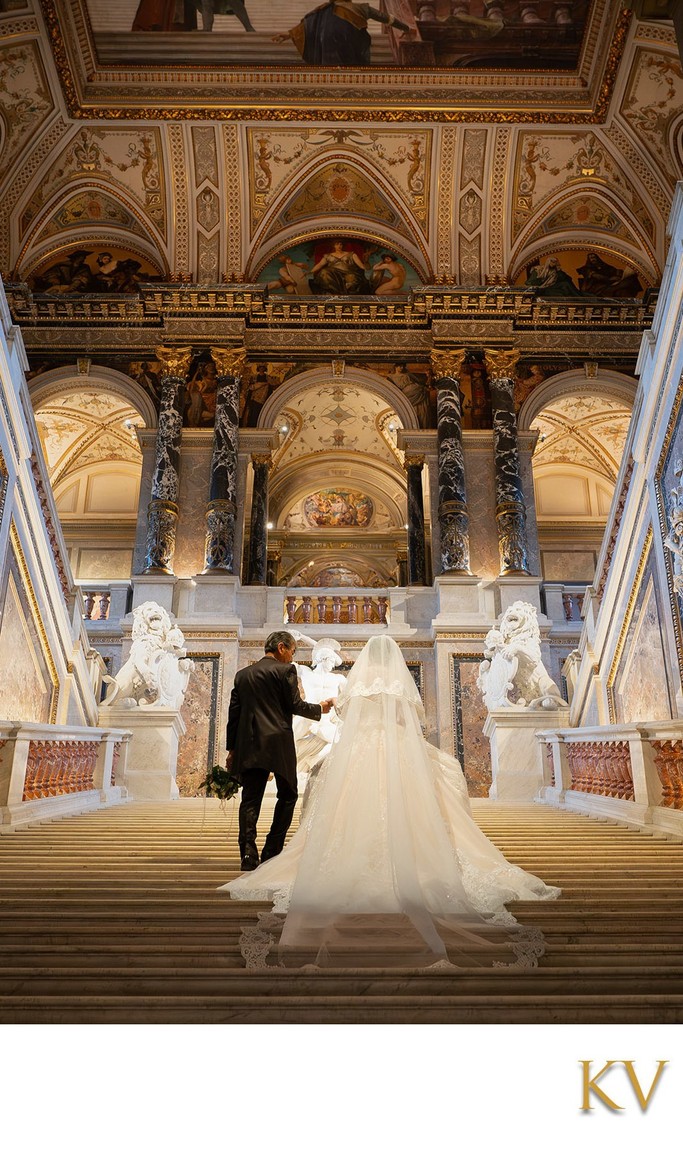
(150, 770)
(516, 754)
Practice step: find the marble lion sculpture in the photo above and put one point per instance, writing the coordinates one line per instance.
(512, 664)
(156, 672)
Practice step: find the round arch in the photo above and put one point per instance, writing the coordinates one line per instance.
(378, 480)
(355, 376)
(44, 387)
(611, 384)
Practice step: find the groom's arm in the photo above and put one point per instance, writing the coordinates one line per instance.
(297, 705)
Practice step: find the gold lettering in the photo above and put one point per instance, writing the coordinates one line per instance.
(590, 1084)
(644, 1099)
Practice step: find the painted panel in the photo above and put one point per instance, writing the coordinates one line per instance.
(469, 716)
(198, 747)
(25, 683)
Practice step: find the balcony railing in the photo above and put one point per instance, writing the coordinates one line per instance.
(336, 608)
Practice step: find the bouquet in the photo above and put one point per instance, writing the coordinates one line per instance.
(220, 783)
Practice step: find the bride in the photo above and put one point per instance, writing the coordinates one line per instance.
(388, 861)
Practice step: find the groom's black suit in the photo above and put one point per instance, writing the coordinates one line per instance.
(264, 699)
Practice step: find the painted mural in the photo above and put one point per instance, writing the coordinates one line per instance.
(339, 266)
(347, 34)
(91, 269)
(582, 275)
(416, 382)
(332, 508)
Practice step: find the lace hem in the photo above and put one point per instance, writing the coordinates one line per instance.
(488, 891)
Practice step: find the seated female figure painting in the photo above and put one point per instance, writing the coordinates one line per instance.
(341, 266)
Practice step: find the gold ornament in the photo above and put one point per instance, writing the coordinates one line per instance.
(229, 360)
(448, 364)
(175, 361)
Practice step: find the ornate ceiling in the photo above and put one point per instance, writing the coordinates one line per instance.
(207, 173)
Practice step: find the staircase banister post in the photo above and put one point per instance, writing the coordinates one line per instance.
(647, 787)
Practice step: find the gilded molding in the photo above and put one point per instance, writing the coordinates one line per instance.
(501, 364)
(628, 615)
(37, 619)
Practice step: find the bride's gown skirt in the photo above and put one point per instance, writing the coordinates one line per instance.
(388, 866)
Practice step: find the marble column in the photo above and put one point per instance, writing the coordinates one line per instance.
(258, 538)
(453, 517)
(219, 553)
(162, 514)
(417, 573)
(510, 505)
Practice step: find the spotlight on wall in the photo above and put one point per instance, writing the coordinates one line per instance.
(311, 563)
(269, 526)
(285, 428)
(406, 526)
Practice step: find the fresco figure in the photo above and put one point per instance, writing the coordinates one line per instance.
(602, 279)
(340, 272)
(292, 277)
(211, 8)
(549, 279)
(416, 391)
(336, 33)
(393, 275)
(70, 275)
(165, 16)
(201, 396)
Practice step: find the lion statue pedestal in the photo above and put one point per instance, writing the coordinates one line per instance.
(145, 697)
(521, 699)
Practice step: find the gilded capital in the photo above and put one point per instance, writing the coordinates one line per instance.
(229, 360)
(413, 461)
(262, 457)
(501, 364)
(175, 361)
(448, 364)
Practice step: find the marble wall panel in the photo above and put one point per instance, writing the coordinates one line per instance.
(469, 716)
(25, 684)
(568, 566)
(481, 503)
(193, 496)
(641, 689)
(198, 748)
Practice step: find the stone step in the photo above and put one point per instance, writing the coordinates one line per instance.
(376, 980)
(646, 1009)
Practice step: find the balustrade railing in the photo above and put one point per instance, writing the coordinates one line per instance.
(336, 608)
(47, 771)
(105, 601)
(564, 602)
(634, 771)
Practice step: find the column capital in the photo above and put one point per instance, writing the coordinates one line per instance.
(175, 361)
(262, 457)
(501, 363)
(448, 364)
(413, 461)
(229, 360)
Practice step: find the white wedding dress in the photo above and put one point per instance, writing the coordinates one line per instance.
(387, 865)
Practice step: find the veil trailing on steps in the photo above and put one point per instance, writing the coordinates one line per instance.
(388, 867)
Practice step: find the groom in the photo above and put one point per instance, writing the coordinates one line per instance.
(265, 697)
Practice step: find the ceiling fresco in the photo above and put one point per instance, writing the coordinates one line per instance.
(488, 186)
(539, 34)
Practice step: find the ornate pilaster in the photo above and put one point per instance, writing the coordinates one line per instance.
(510, 505)
(258, 539)
(453, 517)
(219, 554)
(417, 573)
(162, 514)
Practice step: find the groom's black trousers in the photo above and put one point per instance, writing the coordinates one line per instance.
(253, 788)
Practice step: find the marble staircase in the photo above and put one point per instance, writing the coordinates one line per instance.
(113, 916)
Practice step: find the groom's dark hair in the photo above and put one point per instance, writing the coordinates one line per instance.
(275, 638)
